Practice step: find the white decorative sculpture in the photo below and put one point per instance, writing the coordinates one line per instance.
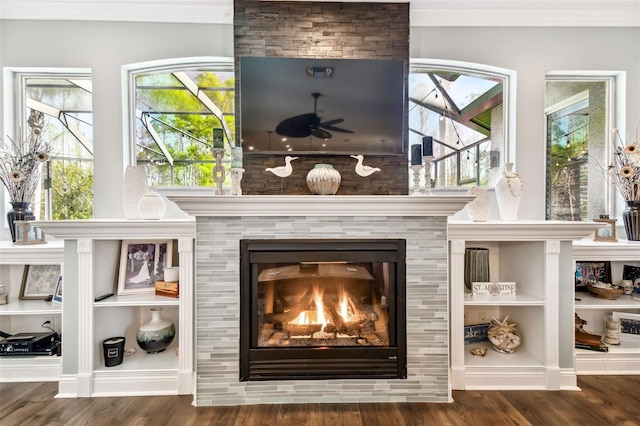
(283, 171)
(480, 208)
(363, 170)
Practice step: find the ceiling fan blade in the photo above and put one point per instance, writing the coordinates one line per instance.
(319, 133)
(337, 129)
(299, 126)
(331, 122)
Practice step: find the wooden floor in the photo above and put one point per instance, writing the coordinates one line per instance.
(604, 400)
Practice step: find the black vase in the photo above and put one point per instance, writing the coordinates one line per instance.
(19, 211)
(631, 220)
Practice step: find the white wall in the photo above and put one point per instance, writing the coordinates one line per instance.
(106, 46)
(531, 52)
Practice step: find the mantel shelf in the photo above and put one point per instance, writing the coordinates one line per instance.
(521, 230)
(321, 205)
(107, 229)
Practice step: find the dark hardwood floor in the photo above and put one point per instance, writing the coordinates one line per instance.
(604, 400)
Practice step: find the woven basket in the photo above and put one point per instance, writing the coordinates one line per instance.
(605, 293)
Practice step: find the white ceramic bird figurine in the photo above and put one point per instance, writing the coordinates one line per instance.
(363, 170)
(283, 171)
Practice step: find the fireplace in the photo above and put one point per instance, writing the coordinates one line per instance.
(322, 309)
(222, 222)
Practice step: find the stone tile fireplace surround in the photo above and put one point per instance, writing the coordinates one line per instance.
(221, 222)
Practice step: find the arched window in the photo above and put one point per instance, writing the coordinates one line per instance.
(468, 111)
(173, 108)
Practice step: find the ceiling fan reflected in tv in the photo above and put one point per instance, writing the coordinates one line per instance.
(305, 125)
(358, 108)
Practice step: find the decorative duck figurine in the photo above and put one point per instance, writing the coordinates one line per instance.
(363, 170)
(283, 171)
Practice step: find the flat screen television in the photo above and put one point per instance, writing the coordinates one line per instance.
(332, 106)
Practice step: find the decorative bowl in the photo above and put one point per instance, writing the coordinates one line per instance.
(610, 293)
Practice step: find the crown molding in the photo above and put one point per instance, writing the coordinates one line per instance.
(423, 13)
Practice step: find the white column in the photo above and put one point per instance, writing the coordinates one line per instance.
(551, 314)
(456, 313)
(186, 380)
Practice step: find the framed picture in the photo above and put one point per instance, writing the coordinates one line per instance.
(57, 293)
(142, 263)
(632, 273)
(39, 281)
(591, 272)
(629, 326)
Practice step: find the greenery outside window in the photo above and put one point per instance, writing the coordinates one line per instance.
(579, 111)
(175, 107)
(65, 99)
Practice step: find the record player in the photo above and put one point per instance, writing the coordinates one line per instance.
(44, 343)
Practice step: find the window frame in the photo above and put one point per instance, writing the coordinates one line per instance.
(509, 82)
(15, 106)
(129, 73)
(615, 118)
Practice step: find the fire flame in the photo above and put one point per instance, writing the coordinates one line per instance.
(346, 309)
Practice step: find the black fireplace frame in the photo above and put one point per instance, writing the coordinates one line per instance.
(370, 362)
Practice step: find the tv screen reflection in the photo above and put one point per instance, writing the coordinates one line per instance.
(353, 106)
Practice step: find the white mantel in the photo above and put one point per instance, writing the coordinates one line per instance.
(320, 205)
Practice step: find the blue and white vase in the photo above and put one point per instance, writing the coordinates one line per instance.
(156, 335)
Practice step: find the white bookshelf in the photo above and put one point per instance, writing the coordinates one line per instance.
(536, 255)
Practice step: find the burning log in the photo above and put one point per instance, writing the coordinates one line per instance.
(293, 312)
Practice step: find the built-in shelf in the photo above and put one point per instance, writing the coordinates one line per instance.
(94, 247)
(587, 301)
(536, 255)
(620, 359)
(521, 358)
(27, 316)
(137, 300)
(515, 300)
(31, 307)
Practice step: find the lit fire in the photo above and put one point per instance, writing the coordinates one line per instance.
(346, 309)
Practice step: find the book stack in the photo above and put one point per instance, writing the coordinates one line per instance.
(166, 289)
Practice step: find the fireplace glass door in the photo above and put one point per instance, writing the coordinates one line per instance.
(322, 309)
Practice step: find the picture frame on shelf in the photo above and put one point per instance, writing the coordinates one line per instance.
(606, 233)
(142, 263)
(57, 294)
(632, 273)
(39, 281)
(591, 272)
(629, 326)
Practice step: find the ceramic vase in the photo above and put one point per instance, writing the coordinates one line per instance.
(476, 265)
(134, 188)
(323, 179)
(508, 193)
(631, 220)
(19, 211)
(611, 330)
(151, 206)
(156, 335)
